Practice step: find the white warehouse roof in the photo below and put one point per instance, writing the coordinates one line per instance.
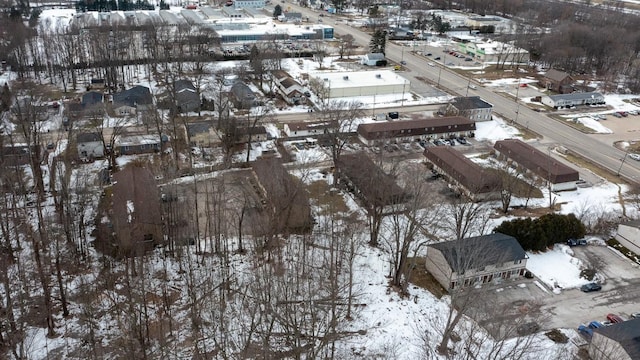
(361, 78)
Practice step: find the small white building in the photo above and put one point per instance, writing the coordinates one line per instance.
(363, 83)
(90, 145)
(374, 59)
(574, 99)
(629, 235)
(305, 129)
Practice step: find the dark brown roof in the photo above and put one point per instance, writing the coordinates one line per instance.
(536, 161)
(469, 174)
(286, 194)
(288, 82)
(372, 184)
(426, 126)
(135, 207)
(556, 75)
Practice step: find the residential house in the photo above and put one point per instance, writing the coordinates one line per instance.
(90, 145)
(290, 90)
(464, 175)
(286, 198)
(97, 84)
(573, 99)
(476, 260)
(187, 98)
(560, 176)
(138, 144)
(242, 96)
(291, 17)
(369, 182)
(306, 129)
(131, 101)
(257, 133)
(557, 81)
(628, 235)
(472, 107)
(374, 59)
(73, 109)
(135, 211)
(619, 341)
(202, 134)
(92, 104)
(411, 130)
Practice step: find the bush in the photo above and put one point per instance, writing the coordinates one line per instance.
(541, 233)
(557, 336)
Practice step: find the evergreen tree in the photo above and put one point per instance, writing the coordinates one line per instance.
(277, 11)
(378, 42)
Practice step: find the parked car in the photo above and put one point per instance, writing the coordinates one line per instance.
(468, 59)
(462, 140)
(635, 315)
(393, 115)
(576, 242)
(473, 87)
(523, 85)
(614, 318)
(585, 331)
(429, 54)
(591, 287)
(437, 58)
(595, 325)
(617, 114)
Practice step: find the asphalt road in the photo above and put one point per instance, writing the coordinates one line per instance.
(554, 132)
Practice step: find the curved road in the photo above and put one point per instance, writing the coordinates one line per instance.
(553, 131)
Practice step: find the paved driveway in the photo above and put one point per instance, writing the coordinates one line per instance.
(572, 307)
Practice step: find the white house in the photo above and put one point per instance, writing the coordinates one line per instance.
(305, 129)
(573, 99)
(90, 145)
(629, 235)
(373, 59)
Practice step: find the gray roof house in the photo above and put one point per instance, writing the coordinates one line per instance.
(137, 98)
(242, 96)
(558, 81)
(476, 260)
(187, 98)
(573, 99)
(620, 341)
(472, 107)
(92, 98)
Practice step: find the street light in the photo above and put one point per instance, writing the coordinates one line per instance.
(622, 163)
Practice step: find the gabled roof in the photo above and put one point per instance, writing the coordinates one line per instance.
(315, 125)
(577, 96)
(374, 185)
(375, 56)
(536, 161)
(183, 84)
(457, 166)
(556, 75)
(470, 103)
(389, 129)
(480, 251)
(200, 127)
(88, 137)
(242, 91)
(626, 333)
(92, 98)
(137, 95)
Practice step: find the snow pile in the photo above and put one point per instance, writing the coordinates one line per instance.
(557, 268)
(593, 124)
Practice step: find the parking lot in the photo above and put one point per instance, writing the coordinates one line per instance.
(572, 307)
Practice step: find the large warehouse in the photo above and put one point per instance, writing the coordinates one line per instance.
(363, 83)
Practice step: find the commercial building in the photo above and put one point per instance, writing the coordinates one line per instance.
(363, 83)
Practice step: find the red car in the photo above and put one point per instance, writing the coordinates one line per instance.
(523, 85)
(614, 318)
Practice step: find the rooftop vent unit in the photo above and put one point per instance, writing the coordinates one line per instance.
(378, 76)
(345, 77)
